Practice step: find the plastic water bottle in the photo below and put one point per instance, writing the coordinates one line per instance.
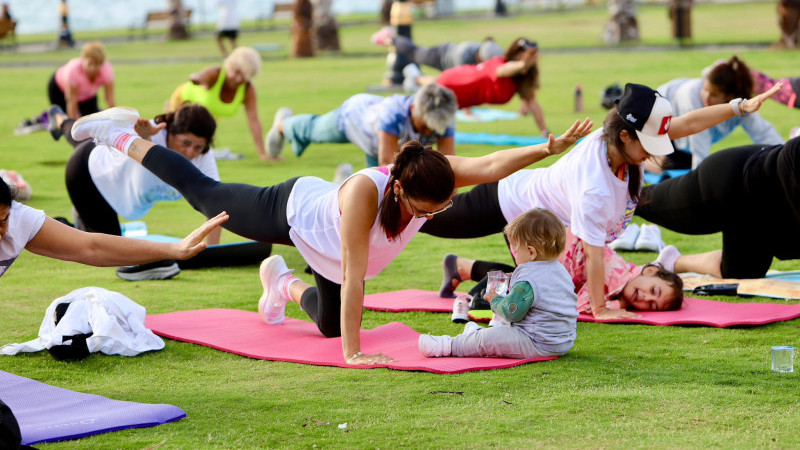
(578, 98)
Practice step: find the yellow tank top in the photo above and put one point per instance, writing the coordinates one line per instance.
(210, 98)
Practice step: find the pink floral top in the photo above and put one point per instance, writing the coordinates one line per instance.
(618, 273)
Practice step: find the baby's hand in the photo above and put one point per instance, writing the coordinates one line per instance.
(489, 296)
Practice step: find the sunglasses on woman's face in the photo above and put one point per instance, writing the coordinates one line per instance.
(423, 214)
(525, 44)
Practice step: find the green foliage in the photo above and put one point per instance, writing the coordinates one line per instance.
(621, 386)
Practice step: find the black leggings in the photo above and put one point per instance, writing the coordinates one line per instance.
(95, 213)
(719, 197)
(56, 96)
(257, 213)
(474, 214)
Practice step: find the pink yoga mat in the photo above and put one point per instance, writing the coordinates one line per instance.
(695, 311)
(408, 300)
(712, 313)
(244, 333)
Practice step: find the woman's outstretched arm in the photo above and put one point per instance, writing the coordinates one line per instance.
(59, 241)
(500, 164)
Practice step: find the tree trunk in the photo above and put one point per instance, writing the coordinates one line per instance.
(177, 23)
(326, 30)
(302, 44)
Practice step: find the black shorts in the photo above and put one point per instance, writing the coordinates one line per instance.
(230, 34)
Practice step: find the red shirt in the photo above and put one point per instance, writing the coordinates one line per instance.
(478, 84)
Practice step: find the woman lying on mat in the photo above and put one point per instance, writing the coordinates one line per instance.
(347, 233)
(22, 227)
(224, 89)
(595, 188)
(725, 82)
(652, 287)
(494, 81)
(729, 192)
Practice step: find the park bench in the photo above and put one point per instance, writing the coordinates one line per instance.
(157, 20)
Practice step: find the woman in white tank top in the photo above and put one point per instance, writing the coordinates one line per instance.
(347, 234)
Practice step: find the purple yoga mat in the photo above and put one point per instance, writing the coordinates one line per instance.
(48, 414)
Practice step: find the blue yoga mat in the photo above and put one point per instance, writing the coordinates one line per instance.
(497, 139)
(793, 276)
(655, 178)
(49, 414)
(485, 115)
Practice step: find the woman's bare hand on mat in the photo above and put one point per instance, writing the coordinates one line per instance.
(578, 130)
(606, 314)
(145, 129)
(365, 359)
(753, 104)
(193, 243)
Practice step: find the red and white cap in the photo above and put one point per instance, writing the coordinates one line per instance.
(650, 114)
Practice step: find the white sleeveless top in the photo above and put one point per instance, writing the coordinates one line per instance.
(315, 220)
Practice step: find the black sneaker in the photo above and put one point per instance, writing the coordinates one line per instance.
(52, 127)
(159, 270)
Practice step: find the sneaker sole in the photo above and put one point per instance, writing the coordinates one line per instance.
(266, 266)
(160, 273)
(117, 114)
(280, 115)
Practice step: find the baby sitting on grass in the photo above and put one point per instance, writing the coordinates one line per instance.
(538, 316)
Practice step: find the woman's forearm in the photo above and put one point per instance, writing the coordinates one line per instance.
(352, 304)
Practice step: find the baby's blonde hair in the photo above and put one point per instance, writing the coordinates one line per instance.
(246, 59)
(95, 51)
(540, 229)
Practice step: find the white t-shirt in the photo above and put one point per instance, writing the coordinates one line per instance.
(579, 189)
(131, 189)
(228, 16)
(313, 213)
(24, 223)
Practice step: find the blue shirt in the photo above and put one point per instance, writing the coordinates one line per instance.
(363, 116)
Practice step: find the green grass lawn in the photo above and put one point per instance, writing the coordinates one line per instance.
(621, 385)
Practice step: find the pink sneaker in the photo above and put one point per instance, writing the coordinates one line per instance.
(383, 37)
(272, 304)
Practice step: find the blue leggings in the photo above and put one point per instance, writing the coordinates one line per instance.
(303, 129)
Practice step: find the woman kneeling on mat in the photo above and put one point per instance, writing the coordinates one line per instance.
(102, 184)
(729, 192)
(22, 227)
(347, 233)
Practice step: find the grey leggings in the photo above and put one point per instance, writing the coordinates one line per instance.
(497, 341)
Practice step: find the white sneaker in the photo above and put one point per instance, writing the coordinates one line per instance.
(471, 327)
(274, 139)
(460, 309)
(434, 346)
(343, 171)
(410, 74)
(667, 257)
(106, 126)
(649, 239)
(272, 304)
(626, 240)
